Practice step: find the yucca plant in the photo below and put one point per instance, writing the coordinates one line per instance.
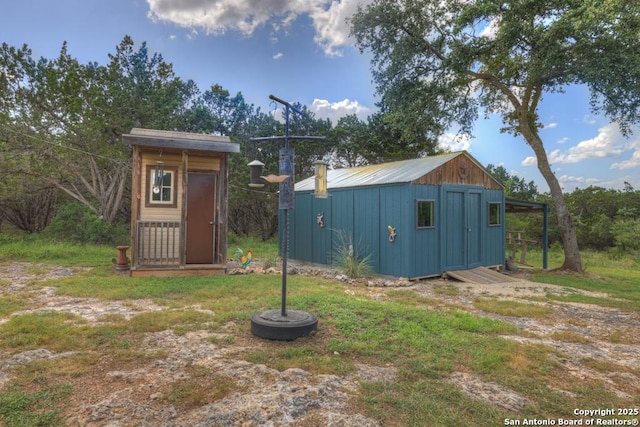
(349, 259)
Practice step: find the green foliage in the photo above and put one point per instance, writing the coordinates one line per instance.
(30, 409)
(627, 234)
(606, 218)
(76, 223)
(36, 248)
(514, 185)
(350, 258)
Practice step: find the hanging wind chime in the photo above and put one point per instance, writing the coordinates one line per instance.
(158, 176)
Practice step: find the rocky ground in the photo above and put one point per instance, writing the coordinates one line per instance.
(261, 396)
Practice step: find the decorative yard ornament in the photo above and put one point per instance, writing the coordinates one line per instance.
(392, 233)
(242, 258)
(282, 324)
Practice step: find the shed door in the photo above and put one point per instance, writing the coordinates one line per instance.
(200, 218)
(462, 242)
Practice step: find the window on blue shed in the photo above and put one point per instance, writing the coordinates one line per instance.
(495, 213)
(425, 213)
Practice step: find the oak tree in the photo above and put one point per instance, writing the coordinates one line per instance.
(444, 61)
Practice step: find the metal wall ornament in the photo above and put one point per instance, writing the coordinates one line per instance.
(392, 233)
(320, 219)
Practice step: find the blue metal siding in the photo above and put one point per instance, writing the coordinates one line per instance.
(453, 236)
(396, 210)
(461, 238)
(321, 236)
(300, 224)
(475, 228)
(467, 239)
(341, 216)
(494, 240)
(366, 225)
(426, 252)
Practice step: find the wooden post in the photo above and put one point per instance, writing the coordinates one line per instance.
(136, 195)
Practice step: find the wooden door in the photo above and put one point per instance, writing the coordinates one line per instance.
(200, 218)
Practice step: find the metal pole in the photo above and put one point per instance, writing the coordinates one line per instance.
(285, 250)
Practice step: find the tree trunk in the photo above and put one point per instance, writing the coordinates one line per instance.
(572, 259)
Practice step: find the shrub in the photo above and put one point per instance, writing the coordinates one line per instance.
(76, 223)
(349, 259)
(627, 234)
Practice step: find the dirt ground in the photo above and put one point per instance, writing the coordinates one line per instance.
(136, 393)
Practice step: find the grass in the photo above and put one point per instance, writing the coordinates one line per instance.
(23, 409)
(424, 345)
(512, 308)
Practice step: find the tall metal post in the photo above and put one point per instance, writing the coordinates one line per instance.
(285, 325)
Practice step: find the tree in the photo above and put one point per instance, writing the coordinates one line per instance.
(514, 185)
(67, 118)
(349, 138)
(444, 60)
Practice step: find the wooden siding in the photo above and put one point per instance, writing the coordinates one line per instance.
(158, 243)
(204, 164)
(460, 170)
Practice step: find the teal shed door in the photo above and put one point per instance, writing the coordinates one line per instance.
(462, 240)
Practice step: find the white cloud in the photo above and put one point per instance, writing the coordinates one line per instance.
(551, 126)
(278, 55)
(609, 142)
(332, 29)
(245, 16)
(324, 109)
(633, 162)
(454, 142)
(570, 182)
(563, 140)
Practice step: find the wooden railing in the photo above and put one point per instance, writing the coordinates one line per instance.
(158, 243)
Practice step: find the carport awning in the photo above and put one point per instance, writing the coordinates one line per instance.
(522, 206)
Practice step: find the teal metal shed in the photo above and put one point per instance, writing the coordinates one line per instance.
(413, 218)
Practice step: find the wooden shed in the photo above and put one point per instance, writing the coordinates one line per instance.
(178, 202)
(413, 218)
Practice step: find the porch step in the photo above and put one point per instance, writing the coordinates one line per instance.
(481, 275)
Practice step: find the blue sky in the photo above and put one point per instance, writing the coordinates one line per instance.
(300, 51)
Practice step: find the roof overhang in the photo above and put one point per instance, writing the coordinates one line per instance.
(522, 206)
(180, 140)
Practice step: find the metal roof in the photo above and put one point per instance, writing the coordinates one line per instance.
(180, 140)
(384, 173)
